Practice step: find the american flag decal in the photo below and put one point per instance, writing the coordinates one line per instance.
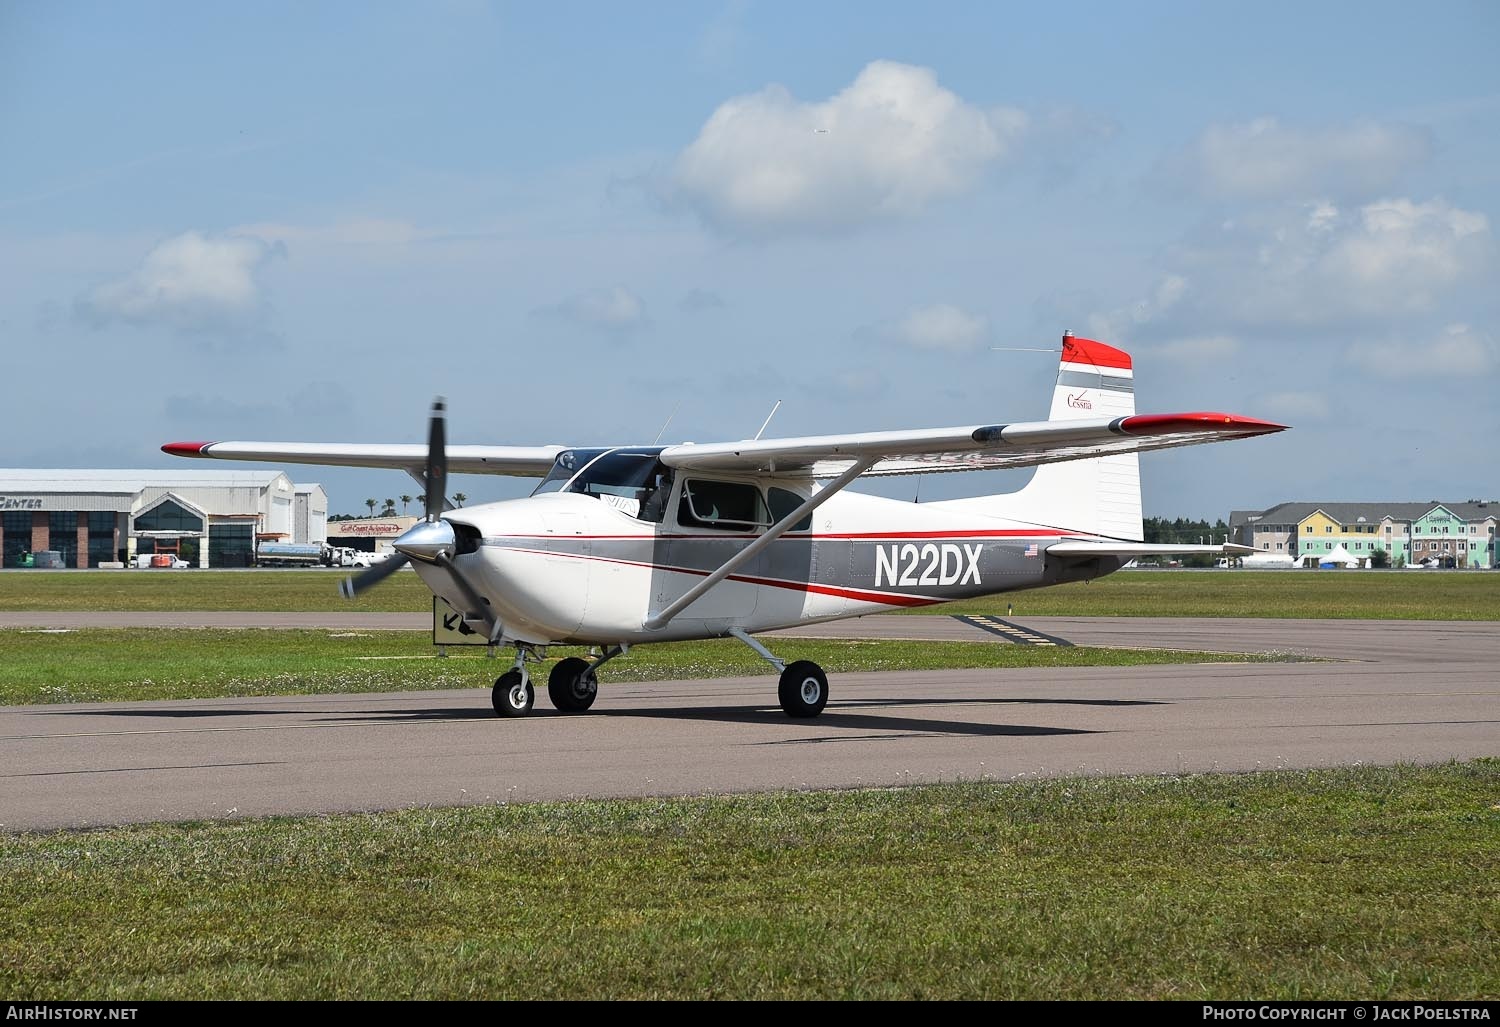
(1031, 549)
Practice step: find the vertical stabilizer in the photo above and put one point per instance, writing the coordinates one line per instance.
(1102, 495)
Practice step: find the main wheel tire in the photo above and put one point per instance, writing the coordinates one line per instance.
(803, 689)
(512, 695)
(572, 686)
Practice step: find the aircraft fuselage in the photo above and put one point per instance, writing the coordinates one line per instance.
(568, 568)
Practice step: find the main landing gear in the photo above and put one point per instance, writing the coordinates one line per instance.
(803, 689)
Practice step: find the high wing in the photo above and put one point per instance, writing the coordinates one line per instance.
(972, 448)
(521, 461)
(921, 451)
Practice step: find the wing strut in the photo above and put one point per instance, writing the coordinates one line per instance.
(775, 531)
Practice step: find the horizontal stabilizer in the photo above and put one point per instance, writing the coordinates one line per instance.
(1131, 549)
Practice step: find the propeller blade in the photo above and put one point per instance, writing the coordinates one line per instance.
(437, 460)
(372, 575)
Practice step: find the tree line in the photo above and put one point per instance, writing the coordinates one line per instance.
(388, 509)
(1182, 531)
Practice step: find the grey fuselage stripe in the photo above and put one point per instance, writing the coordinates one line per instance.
(1084, 380)
(936, 569)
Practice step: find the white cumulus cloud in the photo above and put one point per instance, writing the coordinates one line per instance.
(613, 309)
(1458, 350)
(941, 326)
(353, 232)
(1294, 406)
(1198, 349)
(1115, 325)
(1416, 248)
(889, 144)
(1265, 159)
(1318, 264)
(191, 282)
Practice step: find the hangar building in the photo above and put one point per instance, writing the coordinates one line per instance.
(370, 534)
(209, 518)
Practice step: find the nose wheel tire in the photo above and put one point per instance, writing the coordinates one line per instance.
(572, 686)
(512, 695)
(803, 689)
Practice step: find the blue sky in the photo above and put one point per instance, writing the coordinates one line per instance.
(302, 222)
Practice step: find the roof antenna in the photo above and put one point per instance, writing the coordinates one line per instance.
(667, 422)
(768, 421)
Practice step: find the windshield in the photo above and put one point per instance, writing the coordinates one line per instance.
(568, 463)
(621, 479)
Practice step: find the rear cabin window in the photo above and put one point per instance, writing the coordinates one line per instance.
(726, 505)
(783, 503)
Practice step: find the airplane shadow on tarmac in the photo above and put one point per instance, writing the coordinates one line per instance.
(841, 716)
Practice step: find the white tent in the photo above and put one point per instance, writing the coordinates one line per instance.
(1340, 557)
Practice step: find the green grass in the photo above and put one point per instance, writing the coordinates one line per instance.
(1358, 595)
(99, 665)
(1340, 884)
(289, 591)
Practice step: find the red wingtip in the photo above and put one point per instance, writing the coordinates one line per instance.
(186, 448)
(1087, 351)
(1166, 424)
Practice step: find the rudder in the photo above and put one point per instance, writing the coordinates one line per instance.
(1100, 495)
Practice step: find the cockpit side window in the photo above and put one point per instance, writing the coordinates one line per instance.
(783, 502)
(657, 493)
(730, 505)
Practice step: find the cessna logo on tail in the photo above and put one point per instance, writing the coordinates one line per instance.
(1080, 402)
(944, 563)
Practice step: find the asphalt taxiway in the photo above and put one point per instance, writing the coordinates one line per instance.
(1388, 692)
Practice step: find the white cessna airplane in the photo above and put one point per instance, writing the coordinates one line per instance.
(624, 545)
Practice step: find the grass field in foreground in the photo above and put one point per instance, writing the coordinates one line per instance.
(98, 665)
(1359, 595)
(1341, 884)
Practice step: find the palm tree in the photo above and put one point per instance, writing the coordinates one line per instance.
(404, 501)
(371, 504)
(459, 497)
(390, 508)
(423, 500)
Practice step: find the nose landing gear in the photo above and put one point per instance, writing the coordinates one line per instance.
(513, 695)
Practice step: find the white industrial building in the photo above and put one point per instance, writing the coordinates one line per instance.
(209, 518)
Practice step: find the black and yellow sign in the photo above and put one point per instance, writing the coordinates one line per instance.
(448, 627)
